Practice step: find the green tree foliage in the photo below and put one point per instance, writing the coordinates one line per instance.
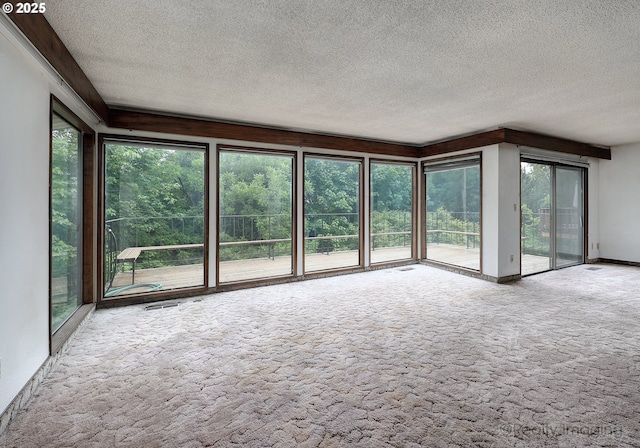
(391, 204)
(391, 187)
(453, 206)
(144, 186)
(256, 198)
(64, 223)
(332, 198)
(535, 181)
(153, 197)
(64, 194)
(455, 190)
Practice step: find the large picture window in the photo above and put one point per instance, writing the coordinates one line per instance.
(332, 213)
(453, 212)
(256, 215)
(391, 211)
(155, 224)
(66, 216)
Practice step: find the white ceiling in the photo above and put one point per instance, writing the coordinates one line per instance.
(406, 71)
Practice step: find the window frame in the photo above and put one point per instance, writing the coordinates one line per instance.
(414, 208)
(361, 217)
(445, 162)
(87, 288)
(294, 215)
(150, 296)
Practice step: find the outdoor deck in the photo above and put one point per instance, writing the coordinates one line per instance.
(470, 258)
(256, 268)
(232, 271)
(456, 255)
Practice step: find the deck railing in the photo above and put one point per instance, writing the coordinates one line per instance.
(257, 236)
(158, 231)
(391, 229)
(457, 228)
(537, 228)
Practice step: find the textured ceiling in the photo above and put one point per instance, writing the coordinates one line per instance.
(406, 71)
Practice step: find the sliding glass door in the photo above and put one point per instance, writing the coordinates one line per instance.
(552, 223)
(569, 216)
(536, 226)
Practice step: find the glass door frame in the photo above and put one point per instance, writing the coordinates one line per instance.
(582, 203)
(553, 206)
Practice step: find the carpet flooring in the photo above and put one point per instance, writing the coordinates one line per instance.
(401, 357)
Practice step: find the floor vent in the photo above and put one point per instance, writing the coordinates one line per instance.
(160, 306)
(406, 269)
(593, 269)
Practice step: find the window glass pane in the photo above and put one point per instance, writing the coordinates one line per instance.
(453, 216)
(154, 218)
(256, 201)
(569, 216)
(65, 222)
(332, 213)
(536, 222)
(391, 212)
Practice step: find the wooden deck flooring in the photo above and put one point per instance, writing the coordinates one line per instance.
(455, 255)
(239, 270)
(470, 258)
(232, 271)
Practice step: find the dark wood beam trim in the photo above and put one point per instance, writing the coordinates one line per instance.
(89, 225)
(44, 38)
(154, 122)
(504, 135)
(555, 144)
(462, 143)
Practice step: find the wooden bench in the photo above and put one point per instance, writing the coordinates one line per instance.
(131, 254)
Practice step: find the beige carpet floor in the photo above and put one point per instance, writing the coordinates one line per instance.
(402, 357)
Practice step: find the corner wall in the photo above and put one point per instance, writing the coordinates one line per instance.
(24, 221)
(619, 208)
(501, 211)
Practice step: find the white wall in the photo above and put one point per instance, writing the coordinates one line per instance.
(500, 211)
(619, 207)
(26, 85)
(24, 220)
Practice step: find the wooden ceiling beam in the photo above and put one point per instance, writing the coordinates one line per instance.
(462, 143)
(522, 138)
(154, 122)
(556, 144)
